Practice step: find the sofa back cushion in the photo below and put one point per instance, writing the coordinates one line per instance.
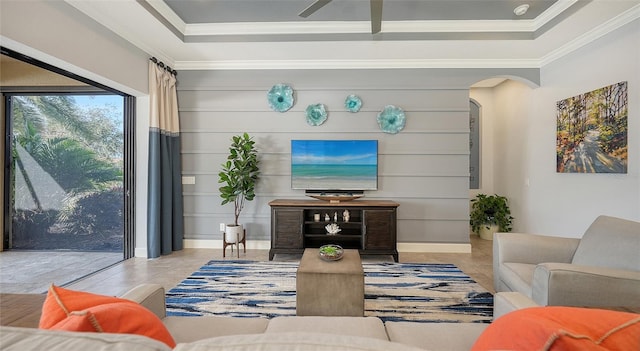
(294, 341)
(610, 242)
(21, 339)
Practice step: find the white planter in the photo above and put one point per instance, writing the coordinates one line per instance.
(487, 234)
(233, 233)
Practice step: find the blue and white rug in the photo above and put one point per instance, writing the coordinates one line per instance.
(393, 292)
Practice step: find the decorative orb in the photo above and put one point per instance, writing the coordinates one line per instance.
(280, 97)
(353, 103)
(316, 114)
(391, 120)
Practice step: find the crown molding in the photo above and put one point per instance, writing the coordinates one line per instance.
(355, 27)
(552, 12)
(354, 64)
(110, 19)
(588, 37)
(165, 11)
(626, 17)
(352, 27)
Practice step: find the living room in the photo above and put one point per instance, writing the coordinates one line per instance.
(517, 137)
(517, 128)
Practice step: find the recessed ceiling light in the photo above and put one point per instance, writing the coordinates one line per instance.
(521, 10)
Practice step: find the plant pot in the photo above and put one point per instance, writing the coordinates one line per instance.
(487, 233)
(233, 233)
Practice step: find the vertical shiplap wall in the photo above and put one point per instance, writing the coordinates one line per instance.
(424, 167)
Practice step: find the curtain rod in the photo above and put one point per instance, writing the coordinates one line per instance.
(162, 65)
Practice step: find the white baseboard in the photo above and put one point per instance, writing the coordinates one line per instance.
(217, 244)
(402, 247)
(434, 247)
(140, 252)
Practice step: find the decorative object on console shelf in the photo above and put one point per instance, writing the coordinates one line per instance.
(332, 229)
(316, 114)
(490, 213)
(334, 198)
(331, 252)
(353, 103)
(391, 119)
(280, 97)
(239, 174)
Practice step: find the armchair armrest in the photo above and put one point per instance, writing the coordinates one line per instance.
(576, 285)
(530, 249)
(150, 296)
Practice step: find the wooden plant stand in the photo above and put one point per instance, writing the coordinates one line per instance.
(225, 243)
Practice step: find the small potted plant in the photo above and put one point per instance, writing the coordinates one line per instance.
(490, 213)
(239, 174)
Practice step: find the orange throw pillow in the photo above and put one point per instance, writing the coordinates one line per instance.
(562, 328)
(71, 310)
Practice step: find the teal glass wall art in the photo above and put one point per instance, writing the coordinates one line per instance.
(353, 103)
(280, 97)
(391, 120)
(316, 114)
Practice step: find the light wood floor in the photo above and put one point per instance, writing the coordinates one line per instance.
(31, 272)
(24, 309)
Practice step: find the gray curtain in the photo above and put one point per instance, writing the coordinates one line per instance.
(165, 223)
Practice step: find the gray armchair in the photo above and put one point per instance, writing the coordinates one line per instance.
(600, 269)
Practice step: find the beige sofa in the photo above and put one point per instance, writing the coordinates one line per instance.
(600, 269)
(280, 333)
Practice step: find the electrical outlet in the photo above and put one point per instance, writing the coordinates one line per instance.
(188, 180)
(222, 227)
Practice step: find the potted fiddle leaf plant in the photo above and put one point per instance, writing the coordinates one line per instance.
(489, 214)
(239, 175)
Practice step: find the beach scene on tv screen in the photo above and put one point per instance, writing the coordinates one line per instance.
(334, 164)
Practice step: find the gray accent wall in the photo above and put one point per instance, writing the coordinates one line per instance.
(425, 167)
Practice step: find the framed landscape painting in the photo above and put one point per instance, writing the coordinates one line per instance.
(591, 135)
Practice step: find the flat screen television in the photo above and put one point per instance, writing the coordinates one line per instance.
(334, 165)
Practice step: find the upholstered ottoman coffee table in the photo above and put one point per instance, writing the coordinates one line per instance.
(330, 288)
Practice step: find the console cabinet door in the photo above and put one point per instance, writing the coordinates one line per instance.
(379, 229)
(287, 228)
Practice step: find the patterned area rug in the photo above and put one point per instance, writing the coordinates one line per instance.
(393, 292)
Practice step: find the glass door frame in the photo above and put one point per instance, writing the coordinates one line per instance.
(128, 139)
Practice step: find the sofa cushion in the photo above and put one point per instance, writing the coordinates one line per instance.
(21, 339)
(517, 276)
(509, 301)
(59, 302)
(188, 329)
(294, 341)
(562, 328)
(435, 336)
(87, 312)
(610, 242)
(371, 327)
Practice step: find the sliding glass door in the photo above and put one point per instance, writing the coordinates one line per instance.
(67, 172)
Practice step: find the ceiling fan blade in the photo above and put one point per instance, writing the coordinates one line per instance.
(376, 16)
(313, 8)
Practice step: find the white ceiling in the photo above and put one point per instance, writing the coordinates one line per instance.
(247, 34)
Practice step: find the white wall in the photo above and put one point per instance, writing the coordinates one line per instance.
(523, 123)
